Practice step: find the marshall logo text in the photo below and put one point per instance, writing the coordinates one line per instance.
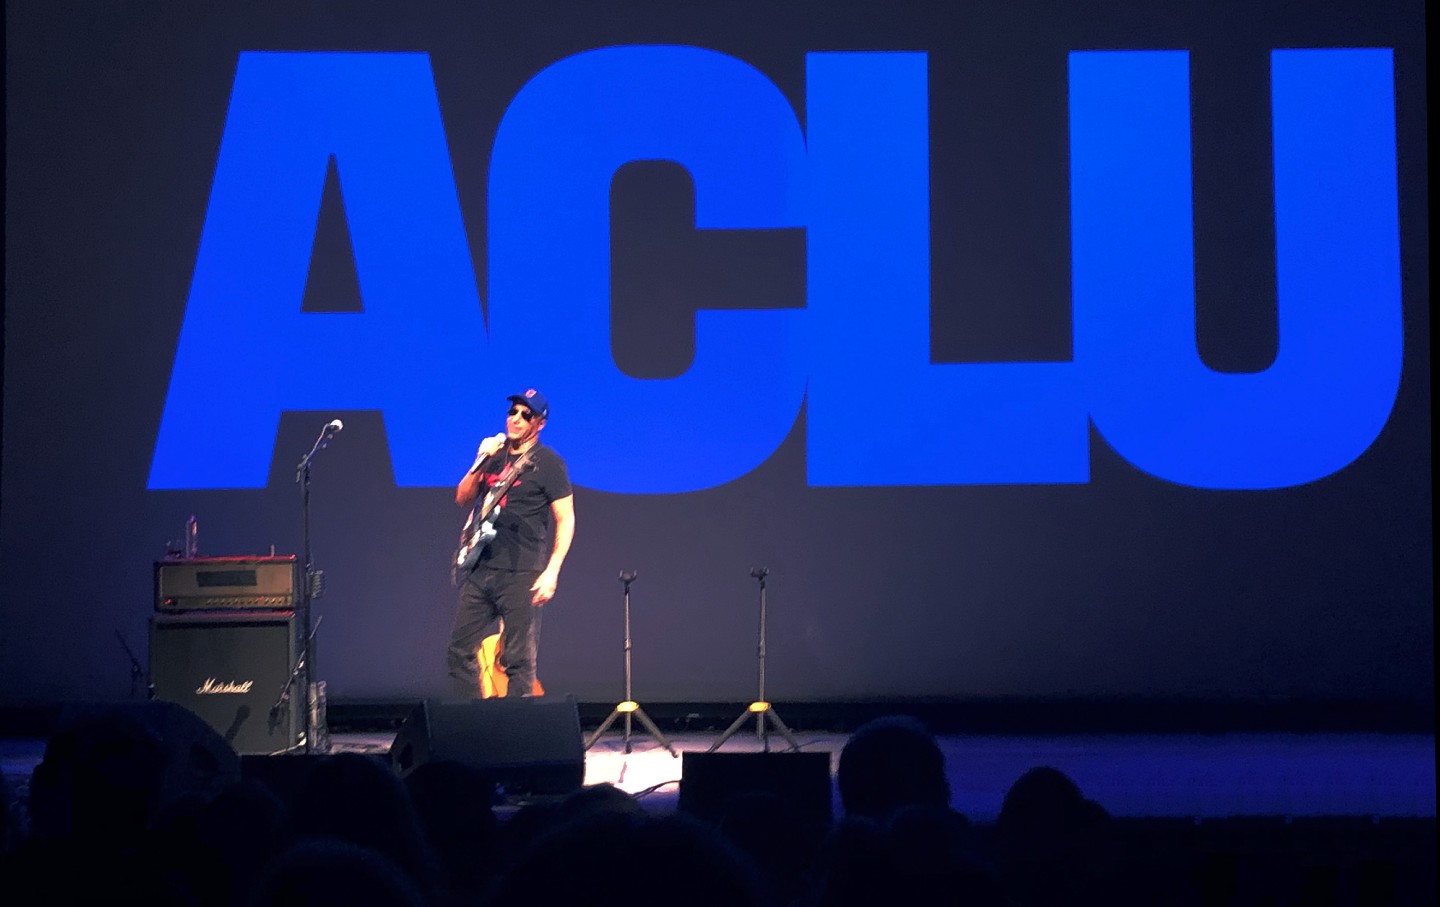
(213, 687)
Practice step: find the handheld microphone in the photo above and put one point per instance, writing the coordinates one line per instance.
(334, 426)
(480, 458)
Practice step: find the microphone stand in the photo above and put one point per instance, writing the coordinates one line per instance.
(762, 709)
(311, 579)
(301, 667)
(136, 672)
(629, 707)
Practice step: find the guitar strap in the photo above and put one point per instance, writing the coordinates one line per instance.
(485, 507)
(504, 477)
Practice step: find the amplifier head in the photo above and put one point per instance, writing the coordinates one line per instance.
(213, 583)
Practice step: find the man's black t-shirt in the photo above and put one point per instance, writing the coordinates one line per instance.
(524, 526)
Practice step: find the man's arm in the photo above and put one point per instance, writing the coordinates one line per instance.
(468, 491)
(563, 510)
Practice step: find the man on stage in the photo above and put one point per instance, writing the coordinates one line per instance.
(523, 489)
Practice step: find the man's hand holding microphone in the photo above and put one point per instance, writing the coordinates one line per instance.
(488, 448)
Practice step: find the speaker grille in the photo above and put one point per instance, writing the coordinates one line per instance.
(229, 669)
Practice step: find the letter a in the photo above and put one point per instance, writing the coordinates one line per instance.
(247, 352)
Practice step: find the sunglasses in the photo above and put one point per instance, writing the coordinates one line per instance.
(527, 415)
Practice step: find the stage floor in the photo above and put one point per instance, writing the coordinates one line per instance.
(1132, 775)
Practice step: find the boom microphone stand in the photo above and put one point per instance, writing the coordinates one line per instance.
(629, 707)
(761, 709)
(312, 584)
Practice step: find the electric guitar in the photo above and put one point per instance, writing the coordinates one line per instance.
(479, 529)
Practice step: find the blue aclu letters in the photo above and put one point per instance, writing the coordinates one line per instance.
(1333, 382)
(857, 179)
(556, 152)
(247, 351)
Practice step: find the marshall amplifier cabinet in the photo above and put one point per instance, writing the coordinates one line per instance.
(218, 583)
(229, 668)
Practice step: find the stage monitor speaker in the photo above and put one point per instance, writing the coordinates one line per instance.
(229, 668)
(527, 746)
(711, 783)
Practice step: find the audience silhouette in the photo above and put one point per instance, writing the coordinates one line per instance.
(102, 820)
(455, 804)
(899, 840)
(358, 798)
(330, 872)
(890, 762)
(94, 796)
(11, 826)
(1050, 841)
(216, 845)
(783, 843)
(618, 856)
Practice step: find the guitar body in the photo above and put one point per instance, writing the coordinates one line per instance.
(474, 539)
(479, 529)
(493, 681)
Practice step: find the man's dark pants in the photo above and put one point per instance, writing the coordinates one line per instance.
(486, 596)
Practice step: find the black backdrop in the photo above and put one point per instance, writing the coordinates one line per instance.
(1126, 586)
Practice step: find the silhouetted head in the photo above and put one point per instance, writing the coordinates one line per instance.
(358, 798)
(1044, 800)
(888, 763)
(1049, 841)
(595, 799)
(577, 862)
(327, 872)
(453, 798)
(102, 776)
